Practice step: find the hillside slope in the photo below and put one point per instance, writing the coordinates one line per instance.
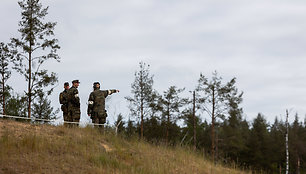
(27, 148)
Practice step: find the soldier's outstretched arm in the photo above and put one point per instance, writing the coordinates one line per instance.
(112, 91)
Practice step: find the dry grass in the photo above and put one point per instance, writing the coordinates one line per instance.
(26, 148)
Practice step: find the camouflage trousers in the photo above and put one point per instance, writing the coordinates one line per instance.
(74, 115)
(65, 112)
(98, 118)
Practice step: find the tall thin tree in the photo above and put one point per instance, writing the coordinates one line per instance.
(194, 121)
(35, 46)
(172, 103)
(142, 89)
(214, 100)
(6, 57)
(287, 142)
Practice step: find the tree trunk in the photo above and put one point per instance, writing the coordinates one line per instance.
(194, 124)
(30, 66)
(298, 165)
(3, 96)
(141, 124)
(29, 84)
(168, 124)
(213, 127)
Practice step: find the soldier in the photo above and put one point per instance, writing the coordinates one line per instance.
(63, 99)
(74, 111)
(96, 103)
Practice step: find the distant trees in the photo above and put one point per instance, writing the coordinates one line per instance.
(35, 46)
(297, 146)
(228, 137)
(119, 124)
(258, 143)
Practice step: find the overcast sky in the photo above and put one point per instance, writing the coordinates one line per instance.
(261, 43)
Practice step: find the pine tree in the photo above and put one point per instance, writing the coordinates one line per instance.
(6, 58)
(172, 104)
(258, 144)
(215, 100)
(296, 145)
(34, 48)
(188, 130)
(276, 146)
(119, 124)
(142, 89)
(233, 142)
(130, 129)
(16, 105)
(42, 109)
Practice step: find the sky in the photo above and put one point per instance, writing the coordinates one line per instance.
(261, 43)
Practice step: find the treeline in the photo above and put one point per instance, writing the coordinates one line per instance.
(26, 56)
(226, 138)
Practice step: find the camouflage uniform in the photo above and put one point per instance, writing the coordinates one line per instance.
(96, 105)
(63, 98)
(74, 111)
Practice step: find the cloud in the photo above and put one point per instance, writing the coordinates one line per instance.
(259, 42)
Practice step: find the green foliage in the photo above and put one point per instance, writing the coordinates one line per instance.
(171, 106)
(35, 46)
(16, 105)
(258, 143)
(119, 124)
(6, 59)
(42, 109)
(142, 90)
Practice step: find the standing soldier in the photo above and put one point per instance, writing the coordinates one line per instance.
(74, 111)
(96, 103)
(63, 99)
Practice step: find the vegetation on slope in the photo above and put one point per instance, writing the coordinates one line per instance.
(28, 148)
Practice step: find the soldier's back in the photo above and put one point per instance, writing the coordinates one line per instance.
(73, 97)
(99, 100)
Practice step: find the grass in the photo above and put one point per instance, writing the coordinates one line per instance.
(26, 148)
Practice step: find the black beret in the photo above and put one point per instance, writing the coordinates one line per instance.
(96, 83)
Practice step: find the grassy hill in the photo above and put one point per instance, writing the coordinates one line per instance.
(27, 148)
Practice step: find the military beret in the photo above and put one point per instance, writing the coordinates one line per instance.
(66, 84)
(75, 81)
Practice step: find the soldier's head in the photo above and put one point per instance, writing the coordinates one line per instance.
(66, 85)
(76, 83)
(96, 85)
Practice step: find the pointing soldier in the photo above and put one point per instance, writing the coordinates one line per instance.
(74, 111)
(96, 103)
(63, 99)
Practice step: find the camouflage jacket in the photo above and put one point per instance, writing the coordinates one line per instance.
(73, 97)
(96, 101)
(63, 97)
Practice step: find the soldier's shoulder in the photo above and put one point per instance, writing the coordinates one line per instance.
(72, 89)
